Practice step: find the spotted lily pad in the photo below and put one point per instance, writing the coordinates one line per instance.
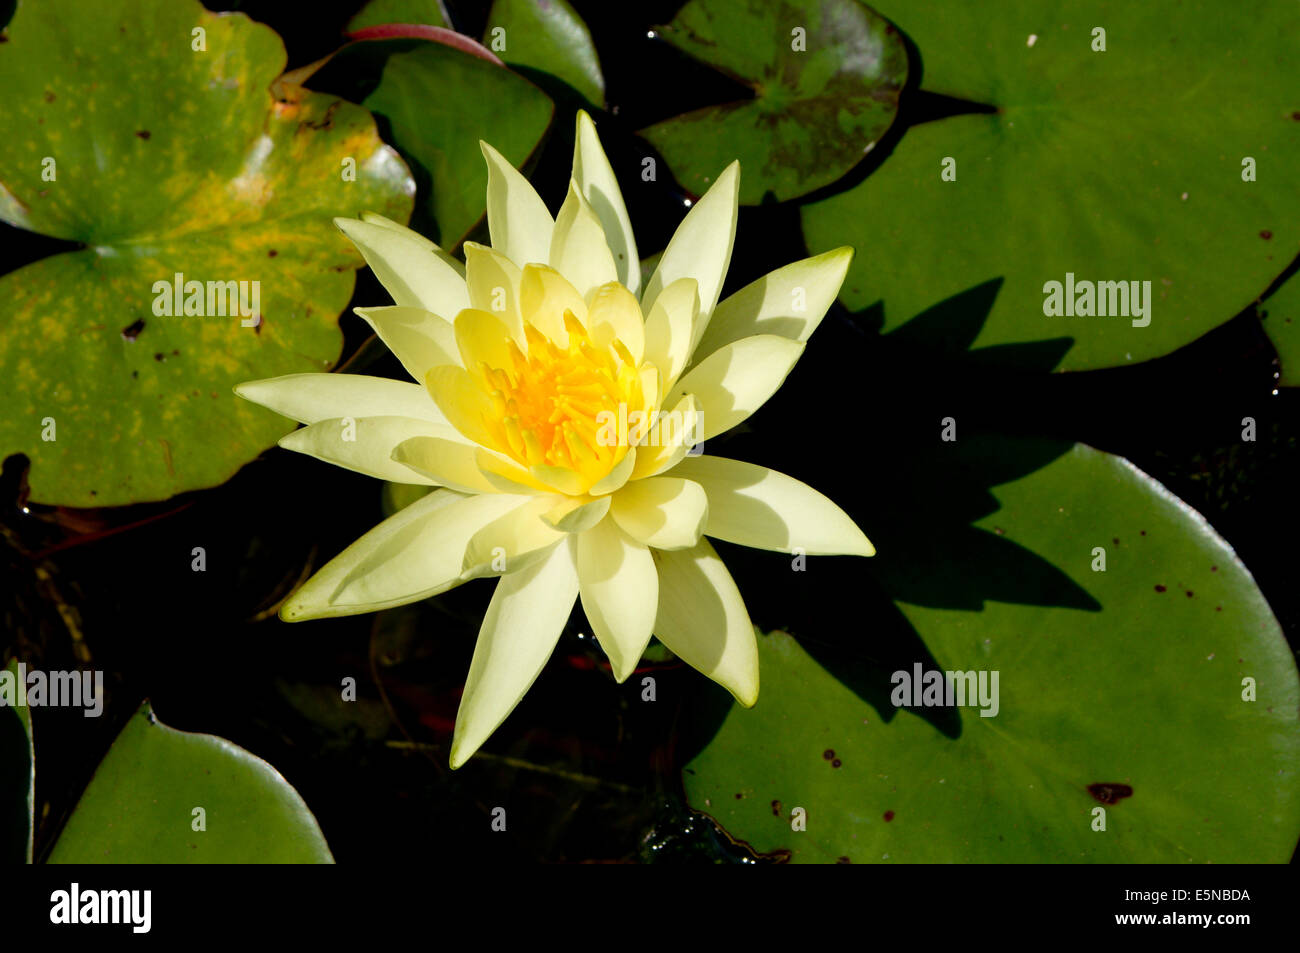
(1128, 164)
(163, 796)
(1167, 698)
(826, 78)
(146, 131)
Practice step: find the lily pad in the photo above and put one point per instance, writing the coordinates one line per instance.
(162, 159)
(1281, 315)
(17, 780)
(140, 806)
(379, 12)
(431, 97)
(826, 78)
(1137, 707)
(1118, 165)
(547, 36)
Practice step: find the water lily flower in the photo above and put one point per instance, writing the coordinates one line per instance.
(554, 407)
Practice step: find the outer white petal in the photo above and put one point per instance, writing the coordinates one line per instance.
(364, 444)
(513, 540)
(523, 622)
(493, 282)
(701, 246)
(414, 554)
(670, 329)
(415, 274)
(374, 218)
(518, 221)
(736, 380)
(754, 506)
(789, 302)
(662, 512)
(702, 619)
(620, 593)
(578, 248)
(442, 458)
(308, 398)
(598, 185)
(419, 339)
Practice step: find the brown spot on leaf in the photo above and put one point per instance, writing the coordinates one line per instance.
(1190, 593)
(776, 808)
(271, 253)
(132, 330)
(828, 753)
(889, 816)
(49, 96)
(836, 763)
(1159, 588)
(1266, 234)
(144, 134)
(1109, 792)
(160, 356)
(842, 860)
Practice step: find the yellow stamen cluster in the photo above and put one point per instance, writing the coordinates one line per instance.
(550, 399)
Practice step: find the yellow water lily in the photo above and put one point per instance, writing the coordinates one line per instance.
(555, 407)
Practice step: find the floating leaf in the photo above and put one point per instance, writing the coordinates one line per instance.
(1123, 165)
(548, 36)
(1138, 708)
(140, 807)
(163, 158)
(379, 12)
(432, 98)
(826, 78)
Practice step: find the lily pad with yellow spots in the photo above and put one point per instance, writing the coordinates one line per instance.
(148, 132)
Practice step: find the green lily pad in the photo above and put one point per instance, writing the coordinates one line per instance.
(431, 96)
(1122, 165)
(1281, 314)
(547, 36)
(168, 160)
(379, 12)
(140, 806)
(17, 781)
(816, 110)
(1135, 707)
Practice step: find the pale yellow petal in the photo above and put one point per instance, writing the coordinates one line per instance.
(511, 541)
(702, 619)
(673, 434)
(308, 398)
(578, 247)
(701, 246)
(524, 620)
(619, 586)
(419, 339)
(364, 444)
(754, 506)
(574, 514)
(736, 380)
(518, 221)
(599, 186)
(544, 296)
(412, 269)
(789, 302)
(493, 283)
(414, 554)
(669, 329)
(614, 313)
(662, 512)
(443, 461)
(374, 218)
(463, 403)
